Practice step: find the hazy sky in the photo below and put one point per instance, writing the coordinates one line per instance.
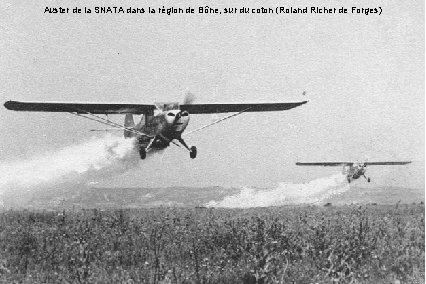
(363, 74)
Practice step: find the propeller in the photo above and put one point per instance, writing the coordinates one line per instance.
(189, 98)
(177, 117)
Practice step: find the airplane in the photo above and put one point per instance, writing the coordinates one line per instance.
(160, 123)
(353, 170)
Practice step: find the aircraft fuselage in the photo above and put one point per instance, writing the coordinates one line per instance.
(355, 172)
(164, 126)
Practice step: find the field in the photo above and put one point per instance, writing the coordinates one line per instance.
(308, 244)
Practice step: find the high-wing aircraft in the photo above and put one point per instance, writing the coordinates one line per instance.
(353, 170)
(160, 124)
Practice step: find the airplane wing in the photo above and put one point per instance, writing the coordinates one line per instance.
(111, 108)
(386, 163)
(255, 107)
(326, 164)
(93, 108)
(118, 108)
(334, 164)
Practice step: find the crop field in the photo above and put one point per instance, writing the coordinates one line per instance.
(307, 244)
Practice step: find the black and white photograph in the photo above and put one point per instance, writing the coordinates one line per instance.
(212, 142)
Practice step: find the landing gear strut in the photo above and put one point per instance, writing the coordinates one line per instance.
(367, 178)
(192, 150)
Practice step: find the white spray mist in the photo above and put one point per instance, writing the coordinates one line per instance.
(286, 194)
(98, 156)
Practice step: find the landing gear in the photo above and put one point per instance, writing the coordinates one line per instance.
(367, 178)
(193, 152)
(142, 153)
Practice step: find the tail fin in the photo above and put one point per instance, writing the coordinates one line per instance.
(141, 123)
(128, 123)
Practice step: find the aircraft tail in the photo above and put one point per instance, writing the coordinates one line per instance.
(141, 123)
(128, 123)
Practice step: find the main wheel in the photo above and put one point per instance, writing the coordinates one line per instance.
(142, 153)
(193, 152)
(368, 179)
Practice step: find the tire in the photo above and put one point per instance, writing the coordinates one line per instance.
(368, 179)
(142, 153)
(193, 152)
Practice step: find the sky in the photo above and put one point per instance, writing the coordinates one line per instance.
(364, 77)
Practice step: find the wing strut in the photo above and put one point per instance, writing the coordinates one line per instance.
(109, 123)
(118, 125)
(217, 121)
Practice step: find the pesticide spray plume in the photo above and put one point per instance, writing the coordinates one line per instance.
(99, 157)
(313, 192)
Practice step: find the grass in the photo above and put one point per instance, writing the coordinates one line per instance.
(349, 244)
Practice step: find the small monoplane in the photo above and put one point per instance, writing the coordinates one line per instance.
(160, 123)
(353, 170)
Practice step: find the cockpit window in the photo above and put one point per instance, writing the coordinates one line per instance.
(184, 113)
(171, 114)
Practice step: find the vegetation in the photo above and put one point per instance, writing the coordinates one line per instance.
(350, 244)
